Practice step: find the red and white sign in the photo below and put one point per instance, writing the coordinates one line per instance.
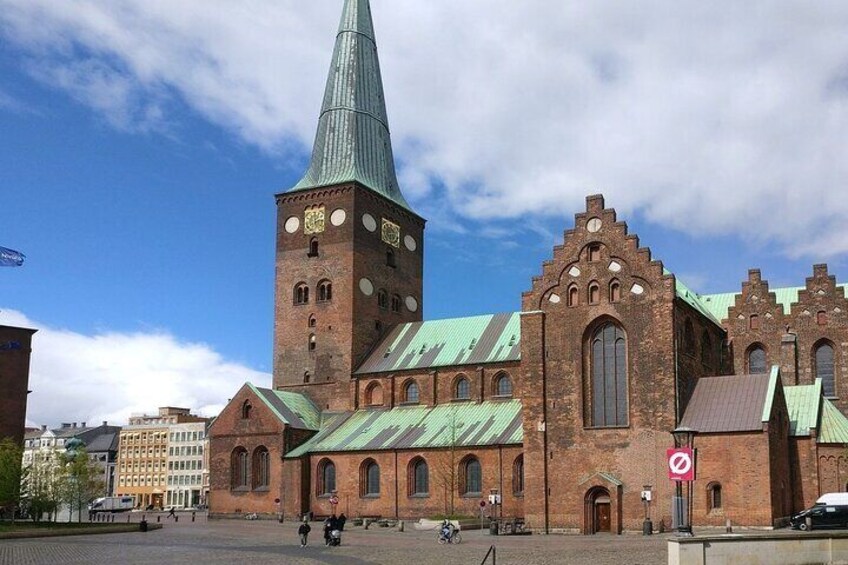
(482, 504)
(681, 464)
(334, 500)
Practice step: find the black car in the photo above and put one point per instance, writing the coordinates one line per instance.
(821, 517)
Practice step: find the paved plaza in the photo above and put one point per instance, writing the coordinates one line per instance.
(261, 542)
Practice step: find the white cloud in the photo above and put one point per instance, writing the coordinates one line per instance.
(713, 118)
(108, 376)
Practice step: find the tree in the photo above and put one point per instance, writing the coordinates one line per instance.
(43, 486)
(11, 473)
(446, 472)
(81, 480)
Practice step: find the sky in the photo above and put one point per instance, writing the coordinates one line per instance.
(142, 143)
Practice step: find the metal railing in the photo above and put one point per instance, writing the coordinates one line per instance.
(493, 551)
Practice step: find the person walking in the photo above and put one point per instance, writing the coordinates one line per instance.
(328, 527)
(342, 520)
(304, 530)
(172, 513)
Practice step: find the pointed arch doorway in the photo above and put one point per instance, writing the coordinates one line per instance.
(598, 512)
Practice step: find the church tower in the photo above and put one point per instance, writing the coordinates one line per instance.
(349, 259)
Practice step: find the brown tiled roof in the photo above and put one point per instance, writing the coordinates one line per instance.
(728, 404)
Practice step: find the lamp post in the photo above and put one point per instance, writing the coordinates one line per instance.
(684, 438)
(647, 525)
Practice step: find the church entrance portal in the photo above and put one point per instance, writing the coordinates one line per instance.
(598, 514)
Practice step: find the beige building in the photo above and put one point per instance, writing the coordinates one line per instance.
(143, 455)
(186, 465)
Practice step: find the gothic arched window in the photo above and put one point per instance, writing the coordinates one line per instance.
(503, 386)
(325, 291)
(472, 476)
(518, 476)
(824, 368)
(594, 293)
(410, 393)
(326, 477)
(615, 291)
(608, 373)
(261, 468)
(419, 477)
(573, 295)
(369, 478)
(239, 468)
(462, 390)
(301, 294)
(756, 359)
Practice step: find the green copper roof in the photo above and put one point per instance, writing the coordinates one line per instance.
(440, 343)
(834, 425)
(464, 424)
(353, 141)
(291, 408)
(802, 403)
(693, 299)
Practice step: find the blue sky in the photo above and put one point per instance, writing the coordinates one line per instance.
(138, 170)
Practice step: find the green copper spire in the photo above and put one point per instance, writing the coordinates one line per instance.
(353, 141)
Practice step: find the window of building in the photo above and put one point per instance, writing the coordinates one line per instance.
(594, 252)
(246, 410)
(301, 294)
(824, 369)
(396, 302)
(821, 318)
(326, 477)
(714, 496)
(239, 468)
(518, 476)
(573, 295)
(594, 293)
(313, 247)
(382, 299)
(374, 394)
(756, 359)
(754, 322)
(689, 337)
(608, 371)
(615, 291)
(419, 477)
(503, 385)
(261, 468)
(472, 476)
(411, 393)
(370, 478)
(462, 389)
(390, 258)
(312, 321)
(706, 349)
(325, 291)
(313, 342)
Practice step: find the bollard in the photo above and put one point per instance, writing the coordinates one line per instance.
(192, 516)
(128, 518)
(158, 519)
(113, 518)
(365, 523)
(728, 528)
(176, 518)
(400, 526)
(143, 525)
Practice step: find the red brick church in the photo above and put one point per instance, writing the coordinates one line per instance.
(564, 409)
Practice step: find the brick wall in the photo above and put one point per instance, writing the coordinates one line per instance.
(14, 380)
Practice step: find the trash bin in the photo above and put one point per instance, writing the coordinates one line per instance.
(647, 528)
(143, 525)
(493, 528)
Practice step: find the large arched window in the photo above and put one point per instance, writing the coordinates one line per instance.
(301, 294)
(374, 394)
(608, 362)
(239, 468)
(410, 392)
(472, 476)
(261, 468)
(503, 385)
(419, 477)
(756, 359)
(824, 368)
(369, 478)
(518, 476)
(462, 389)
(326, 478)
(325, 291)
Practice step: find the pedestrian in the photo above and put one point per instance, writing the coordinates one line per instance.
(342, 520)
(172, 513)
(328, 527)
(304, 530)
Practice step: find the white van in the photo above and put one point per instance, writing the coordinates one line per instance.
(833, 499)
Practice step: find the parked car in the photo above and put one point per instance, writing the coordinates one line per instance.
(112, 504)
(821, 517)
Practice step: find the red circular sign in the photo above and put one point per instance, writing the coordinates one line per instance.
(482, 504)
(334, 500)
(277, 500)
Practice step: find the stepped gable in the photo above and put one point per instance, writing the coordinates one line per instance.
(619, 257)
(821, 303)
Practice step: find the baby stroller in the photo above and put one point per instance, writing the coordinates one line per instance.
(335, 538)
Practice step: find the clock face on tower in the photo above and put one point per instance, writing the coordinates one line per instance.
(391, 233)
(313, 220)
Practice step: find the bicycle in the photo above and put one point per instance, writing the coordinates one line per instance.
(453, 536)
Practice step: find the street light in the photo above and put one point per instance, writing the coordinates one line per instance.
(684, 437)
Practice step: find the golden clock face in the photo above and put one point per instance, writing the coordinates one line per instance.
(391, 233)
(313, 220)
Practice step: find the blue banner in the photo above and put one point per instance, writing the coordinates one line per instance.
(11, 258)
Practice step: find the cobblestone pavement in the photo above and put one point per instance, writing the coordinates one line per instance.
(261, 542)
